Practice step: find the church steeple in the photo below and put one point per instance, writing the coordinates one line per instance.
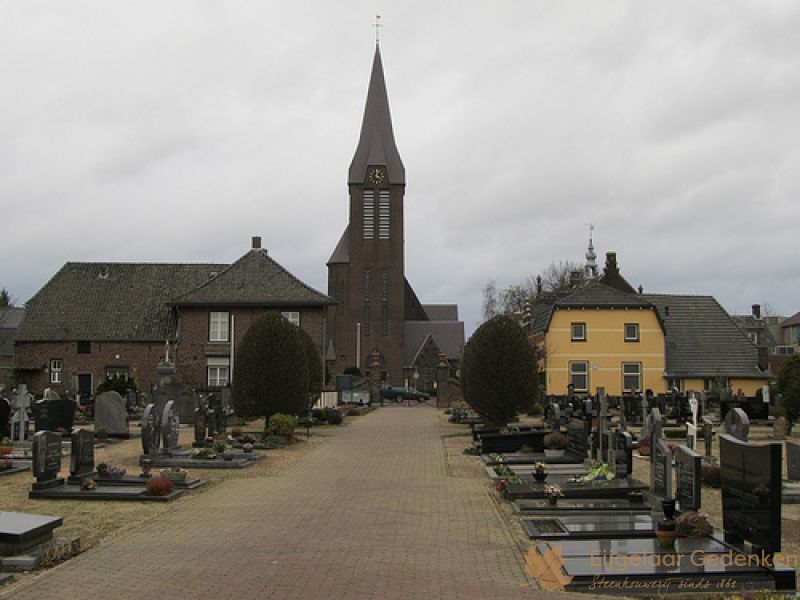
(590, 270)
(376, 145)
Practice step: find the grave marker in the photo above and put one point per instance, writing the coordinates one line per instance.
(751, 493)
(737, 424)
(661, 470)
(792, 460)
(150, 430)
(170, 425)
(53, 413)
(554, 413)
(577, 440)
(46, 459)
(691, 428)
(81, 460)
(688, 480)
(111, 415)
(5, 417)
(623, 455)
(708, 434)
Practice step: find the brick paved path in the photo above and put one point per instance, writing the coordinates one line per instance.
(371, 513)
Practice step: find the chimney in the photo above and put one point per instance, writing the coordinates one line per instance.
(757, 311)
(611, 263)
(256, 242)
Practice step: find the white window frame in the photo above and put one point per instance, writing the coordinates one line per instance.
(635, 336)
(293, 316)
(123, 373)
(219, 326)
(218, 371)
(578, 337)
(56, 370)
(626, 373)
(574, 372)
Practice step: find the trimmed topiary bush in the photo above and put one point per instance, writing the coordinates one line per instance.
(314, 363)
(789, 387)
(352, 411)
(271, 370)
(499, 371)
(555, 441)
(334, 417)
(282, 425)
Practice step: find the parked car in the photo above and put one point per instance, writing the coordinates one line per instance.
(397, 394)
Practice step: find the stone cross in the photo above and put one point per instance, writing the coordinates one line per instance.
(691, 428)
(708, 434)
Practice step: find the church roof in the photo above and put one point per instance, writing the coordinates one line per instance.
(341, 254)
(376, 145)
(448, 335)
(441, 312)
(254, 279)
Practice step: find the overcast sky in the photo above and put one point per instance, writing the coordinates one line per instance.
(175, 131)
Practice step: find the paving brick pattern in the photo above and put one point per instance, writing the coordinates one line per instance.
(371, 513)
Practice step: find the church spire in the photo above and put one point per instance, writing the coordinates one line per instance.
(590, 270)
(376, 144)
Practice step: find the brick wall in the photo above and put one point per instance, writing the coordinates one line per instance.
(141, 358)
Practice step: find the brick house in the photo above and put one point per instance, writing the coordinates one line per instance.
(94, 321)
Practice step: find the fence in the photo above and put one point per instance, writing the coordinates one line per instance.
(327, 400)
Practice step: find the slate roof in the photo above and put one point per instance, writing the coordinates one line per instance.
(341, 254)
(110, 301)
(748, 323)
(414, 309)
(441, 312)
(702, 339)
(253, 280)
(791, 321)
(10, 318)
(448, 335)
(599, 295)
(376, 145)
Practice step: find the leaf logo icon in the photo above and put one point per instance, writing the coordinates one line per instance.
(547, 568)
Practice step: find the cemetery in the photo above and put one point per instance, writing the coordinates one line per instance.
(597, 528)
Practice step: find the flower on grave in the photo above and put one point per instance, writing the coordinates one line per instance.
(539, 467)
(552, 490)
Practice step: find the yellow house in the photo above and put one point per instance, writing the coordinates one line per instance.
(602, 337)
(605, 334)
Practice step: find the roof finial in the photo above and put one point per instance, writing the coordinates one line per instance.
(377, 27)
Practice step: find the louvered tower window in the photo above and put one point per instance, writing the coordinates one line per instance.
(384, 215)
(368, 215)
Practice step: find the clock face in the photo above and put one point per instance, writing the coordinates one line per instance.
(376, 176)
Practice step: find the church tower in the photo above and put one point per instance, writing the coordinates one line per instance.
(366, 274)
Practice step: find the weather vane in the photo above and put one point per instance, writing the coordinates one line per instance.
(377, 27)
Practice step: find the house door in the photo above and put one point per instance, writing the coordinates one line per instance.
(84, 386)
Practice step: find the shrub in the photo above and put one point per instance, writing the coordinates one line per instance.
(499, 371)
(535, 410)
(271, 442)
(314, 363)
(159, 486)
(271, 370)
(352, 412)
(334, 417)
(693, 524)
(320, 414)
(116, 384)
(555, 441)
(789, 387)
(282, 425)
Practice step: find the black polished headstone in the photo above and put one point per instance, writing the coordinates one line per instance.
(554, 416)
(5, 418)
(792, 460)
(623, 454)
(750, 477)
(737, 424)
(577, 441)
(708, 435)
(688, 478)
(81, 460)
(46, 457)
(54, 414)
(661, 473)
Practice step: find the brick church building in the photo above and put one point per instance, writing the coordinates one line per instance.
(377, 309)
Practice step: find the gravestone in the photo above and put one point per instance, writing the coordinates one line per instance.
(750, 476)
(53, 413)
(623, 454)
(688, 480)
(111, 415)
(792, 461)
(602, 424)
(691, 428)
(81, 460)
(779, 427)
(5, 417)
(46, 459)
(200, 424)
(708, 435)
(170, 425)
(150, 430)
(554, 414)
(217, 424)
(185, 403)
(577, 440)
(737, 424)
(661, 470)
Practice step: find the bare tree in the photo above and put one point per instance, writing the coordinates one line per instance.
(557, 277)
(490, 302)
(5, 298)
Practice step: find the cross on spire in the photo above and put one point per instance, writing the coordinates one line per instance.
(377, 27)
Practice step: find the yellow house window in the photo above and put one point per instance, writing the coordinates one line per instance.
(579, 375)
(631, 332)
(578, 332)
(632, 377)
